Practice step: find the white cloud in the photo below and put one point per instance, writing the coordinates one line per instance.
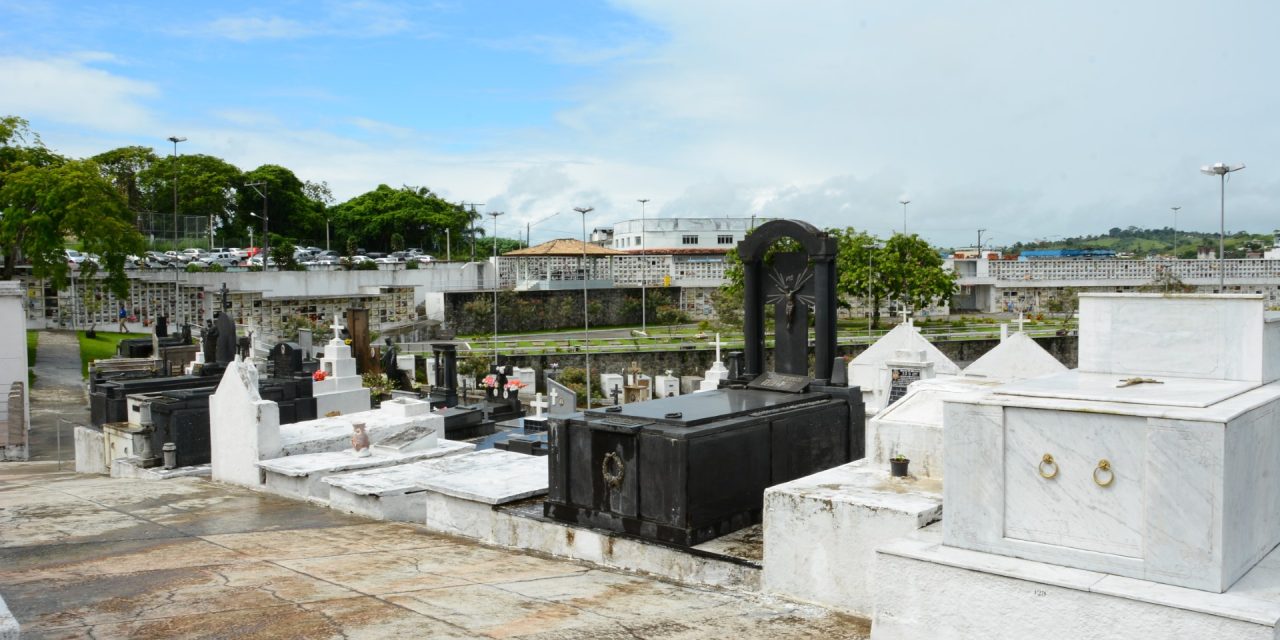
(246, 28)
(68, 91)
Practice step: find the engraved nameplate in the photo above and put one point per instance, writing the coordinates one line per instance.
(774, 381)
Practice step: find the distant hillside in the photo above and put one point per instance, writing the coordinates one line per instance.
(1147, 242)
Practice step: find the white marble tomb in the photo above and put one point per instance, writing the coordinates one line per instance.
(1163, 480)
(866, 370)
(342, 390)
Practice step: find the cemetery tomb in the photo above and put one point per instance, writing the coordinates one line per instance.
(401, 492)
(612, 386)
(686, 469)
(912, 425)
(870, 371)
(342, 389)
(300, 476)
(1149, 461)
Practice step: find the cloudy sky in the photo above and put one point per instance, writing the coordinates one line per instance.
(1029, 119)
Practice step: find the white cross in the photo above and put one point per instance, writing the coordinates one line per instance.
(337, 327)
(718, 344)
(1020, 320)
(555, 398)
(905, 319)
(539, 404)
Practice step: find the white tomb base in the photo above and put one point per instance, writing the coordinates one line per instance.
(924, 589)
(821, 531)
(301, 476)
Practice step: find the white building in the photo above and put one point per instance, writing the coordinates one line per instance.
(710, 235)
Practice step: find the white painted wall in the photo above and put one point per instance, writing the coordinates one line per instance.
(13, 347)
(243, 428)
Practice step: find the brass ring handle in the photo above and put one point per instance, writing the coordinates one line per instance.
(1048, 460)
(1104, 466)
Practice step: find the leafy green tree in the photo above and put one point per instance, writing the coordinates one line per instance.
(912, 272)
(43, 206)
(207, 186)
(417, 213)
(397, 241)
(122, 168)
(282, 253)
(856, 269)
(291, 209)
(1064, 301)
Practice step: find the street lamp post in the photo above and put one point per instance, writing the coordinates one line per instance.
(266, 225)
(1221, 170)
(495, 215)
(644, 272)
(904, 202)
(1175, 231)
(175, 140)
(586, 320)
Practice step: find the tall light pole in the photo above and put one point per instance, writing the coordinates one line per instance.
(904, 202)
(586, 321)
(644, 272)
(266, 224)
(1175, 231)
(1221, 170)
(495, 215)
(175, 140)
(980, 232)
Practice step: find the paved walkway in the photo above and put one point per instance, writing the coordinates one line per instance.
(59, 392)
(93, 557)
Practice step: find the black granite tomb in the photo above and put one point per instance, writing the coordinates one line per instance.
(690, 468)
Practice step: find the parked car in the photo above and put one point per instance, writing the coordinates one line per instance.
(75, 258)
(224, 258)
(422, 258)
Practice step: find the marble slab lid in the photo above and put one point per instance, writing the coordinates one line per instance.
(1102, 387)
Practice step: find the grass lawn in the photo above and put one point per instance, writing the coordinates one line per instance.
(102, 346)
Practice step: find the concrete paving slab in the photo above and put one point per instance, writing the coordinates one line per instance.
(294, 570)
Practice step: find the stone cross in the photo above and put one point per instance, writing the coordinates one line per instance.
(337, 327)
(555, 398)
(718, 344)
(905, 315)
(1020, 320)
(539, 404)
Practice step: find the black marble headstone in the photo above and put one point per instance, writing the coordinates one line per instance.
(286, 359)
(792, 284)
(226, 346)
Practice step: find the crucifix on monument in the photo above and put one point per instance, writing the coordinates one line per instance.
(794, 283)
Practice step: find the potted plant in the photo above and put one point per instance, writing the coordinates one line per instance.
(898, 466)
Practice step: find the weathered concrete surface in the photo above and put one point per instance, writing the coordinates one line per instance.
(59, 392)
(87, 556)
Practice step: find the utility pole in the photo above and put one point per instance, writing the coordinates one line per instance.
(586, 321)
(175, 140)
(1175, 231)
(495, 215)
(980, 231)
(266, 224)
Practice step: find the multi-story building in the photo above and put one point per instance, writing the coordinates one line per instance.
(712, 236)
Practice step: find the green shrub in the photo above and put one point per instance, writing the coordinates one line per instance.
(194, 268)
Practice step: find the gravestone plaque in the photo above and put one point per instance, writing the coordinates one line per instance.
(562, 400)
(899, 379)
(773, 381)
(286, 359)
